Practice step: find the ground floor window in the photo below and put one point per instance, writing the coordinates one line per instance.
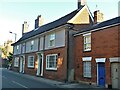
(31, 61)
(87, 69)
(87, 66)
(16, 61)
(51, 62)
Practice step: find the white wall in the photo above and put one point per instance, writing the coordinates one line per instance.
(17, 51)
(28, 45)
(59, 39)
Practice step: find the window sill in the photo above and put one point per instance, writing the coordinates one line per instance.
(87, 50)
(51, 69)
(89, 77)
(30, 67)
(16, 66)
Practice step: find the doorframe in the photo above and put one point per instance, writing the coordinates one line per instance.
(22, 57)
(114, 60)
(42, 66)
(97, 61)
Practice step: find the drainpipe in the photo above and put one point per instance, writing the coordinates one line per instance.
(70, 63)
(67, 54)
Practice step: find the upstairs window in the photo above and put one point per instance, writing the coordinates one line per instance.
(17, 48)
(87, 42)
(52, 40)
(51, 62)
(32, 45)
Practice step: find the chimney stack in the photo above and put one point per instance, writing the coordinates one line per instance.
(38, 21)
(81, 3)
(24, 28)
(98, 16)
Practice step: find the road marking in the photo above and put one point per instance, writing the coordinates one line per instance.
(19, 84)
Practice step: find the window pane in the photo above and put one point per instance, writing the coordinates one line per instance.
(87, 42)
(52, 36)
(87, 69)
(31, 61)
(51, 62)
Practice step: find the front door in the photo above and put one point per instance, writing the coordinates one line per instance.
(22, 64)
(114, 74)
(101, 74)
(40, 65)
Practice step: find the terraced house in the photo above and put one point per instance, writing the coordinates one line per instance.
(97, 54)
(76, 47)
(47, 51)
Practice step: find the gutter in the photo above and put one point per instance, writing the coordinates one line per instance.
(97, 29)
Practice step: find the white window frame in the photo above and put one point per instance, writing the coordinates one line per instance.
(47, 62)
(29, 57)
(17, 48)
(87, 71)
(32, 45)
(51, 38)
(16, 61)
(86, 48)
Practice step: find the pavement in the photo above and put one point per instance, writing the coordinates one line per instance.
(58, 83)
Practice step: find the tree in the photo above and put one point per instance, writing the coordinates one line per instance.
(4, 51)
(10, 57)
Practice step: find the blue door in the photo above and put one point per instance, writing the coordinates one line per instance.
(101, 74)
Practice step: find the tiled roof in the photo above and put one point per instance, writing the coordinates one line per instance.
(113, 21)
(47, 27)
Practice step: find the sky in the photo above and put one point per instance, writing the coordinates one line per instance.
(13, 13)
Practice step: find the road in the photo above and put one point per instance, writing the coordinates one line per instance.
(12, 80)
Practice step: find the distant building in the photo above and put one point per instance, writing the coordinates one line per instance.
(7, 46)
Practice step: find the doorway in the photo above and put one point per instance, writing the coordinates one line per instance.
(40, 64)
(22, 64)
(115, 74)
(101, 74)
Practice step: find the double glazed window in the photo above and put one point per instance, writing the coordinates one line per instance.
(51, 62)
(31, 61)
(52, 39)
(16, 61)
(87, 42)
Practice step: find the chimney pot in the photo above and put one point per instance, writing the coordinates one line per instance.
(38, 21)
(81, 3)
(98, 16)
(24, 28)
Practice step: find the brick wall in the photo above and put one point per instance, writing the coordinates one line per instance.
(16, 69)
(104, 45)
(31, 71)
(60, 73)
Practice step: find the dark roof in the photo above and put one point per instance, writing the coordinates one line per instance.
(113, 21)
(47, 27)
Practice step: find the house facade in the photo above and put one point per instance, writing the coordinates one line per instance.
(97, 54)
(46, 50)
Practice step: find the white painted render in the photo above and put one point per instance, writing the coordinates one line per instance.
(17, 51)
(39, 42)
(35, 45)
(59, 39)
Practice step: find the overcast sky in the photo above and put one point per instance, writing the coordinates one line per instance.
(14, 12)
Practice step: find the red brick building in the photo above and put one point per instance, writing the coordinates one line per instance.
(47, 51)
(97, 54)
